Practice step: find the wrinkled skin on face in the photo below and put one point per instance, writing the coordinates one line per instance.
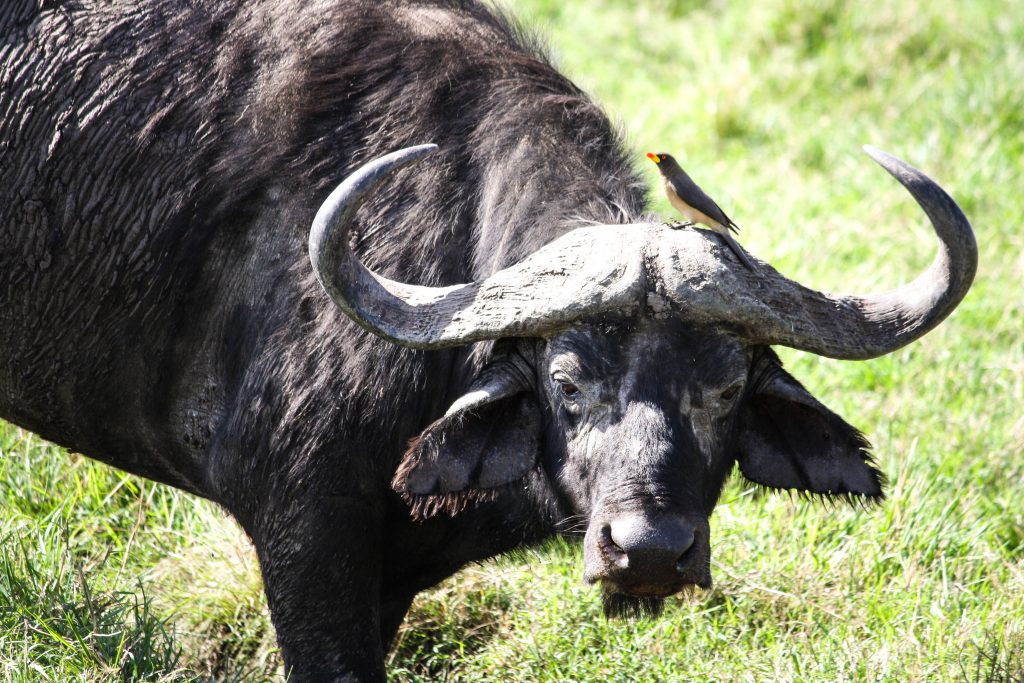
(643, 436)
(637, 427)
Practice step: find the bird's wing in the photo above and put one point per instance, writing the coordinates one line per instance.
(691, 193)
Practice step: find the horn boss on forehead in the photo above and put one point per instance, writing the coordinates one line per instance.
(607, 270)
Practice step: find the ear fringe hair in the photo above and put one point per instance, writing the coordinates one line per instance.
(400, 480)
(858, 501)
(862, 501)
(426, 442)
(423, 508)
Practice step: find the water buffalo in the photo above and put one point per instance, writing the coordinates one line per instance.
(489, 342)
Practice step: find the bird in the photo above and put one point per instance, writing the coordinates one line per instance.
(696, 206)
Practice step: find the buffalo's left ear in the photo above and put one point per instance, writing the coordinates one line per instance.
(789, 440)
(488, 438)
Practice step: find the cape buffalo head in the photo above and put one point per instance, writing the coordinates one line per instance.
(632, 364)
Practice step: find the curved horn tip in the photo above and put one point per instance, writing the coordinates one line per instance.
(874, 152)
(384, 165)
(414, 152)
(347, 195)
(886, 160)
(908, 176)
(373, 171)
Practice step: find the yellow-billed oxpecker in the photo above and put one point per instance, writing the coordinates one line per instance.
(695, 205)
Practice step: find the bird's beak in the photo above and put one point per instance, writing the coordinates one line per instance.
(653, 157)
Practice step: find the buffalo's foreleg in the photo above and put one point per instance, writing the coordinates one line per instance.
(393, 611)
(320, 560)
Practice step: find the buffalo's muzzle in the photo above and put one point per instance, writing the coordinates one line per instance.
(648, 556)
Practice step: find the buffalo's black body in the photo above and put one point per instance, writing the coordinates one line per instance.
(161, 162)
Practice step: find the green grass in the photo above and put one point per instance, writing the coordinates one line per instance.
(105, 577)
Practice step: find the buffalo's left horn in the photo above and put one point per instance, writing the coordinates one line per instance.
(765, 307)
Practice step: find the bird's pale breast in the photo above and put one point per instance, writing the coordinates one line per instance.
(691, 214)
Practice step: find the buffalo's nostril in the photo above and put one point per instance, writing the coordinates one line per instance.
(611, 550)
(684, 561)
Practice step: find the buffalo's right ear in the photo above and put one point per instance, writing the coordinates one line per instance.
(488, 438)
(789, 440)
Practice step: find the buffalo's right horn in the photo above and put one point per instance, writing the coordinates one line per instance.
(557, 285)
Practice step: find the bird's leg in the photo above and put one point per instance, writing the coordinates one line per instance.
(679, 225)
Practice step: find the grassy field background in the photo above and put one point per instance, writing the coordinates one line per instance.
(106, 577)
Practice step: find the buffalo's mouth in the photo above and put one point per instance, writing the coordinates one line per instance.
(640, 560)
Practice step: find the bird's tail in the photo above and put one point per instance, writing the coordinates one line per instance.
(738, 250)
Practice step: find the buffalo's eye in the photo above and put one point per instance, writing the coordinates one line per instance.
(571, 394)
(730, 393)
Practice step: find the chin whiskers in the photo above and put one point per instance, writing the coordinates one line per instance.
(621, 606)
